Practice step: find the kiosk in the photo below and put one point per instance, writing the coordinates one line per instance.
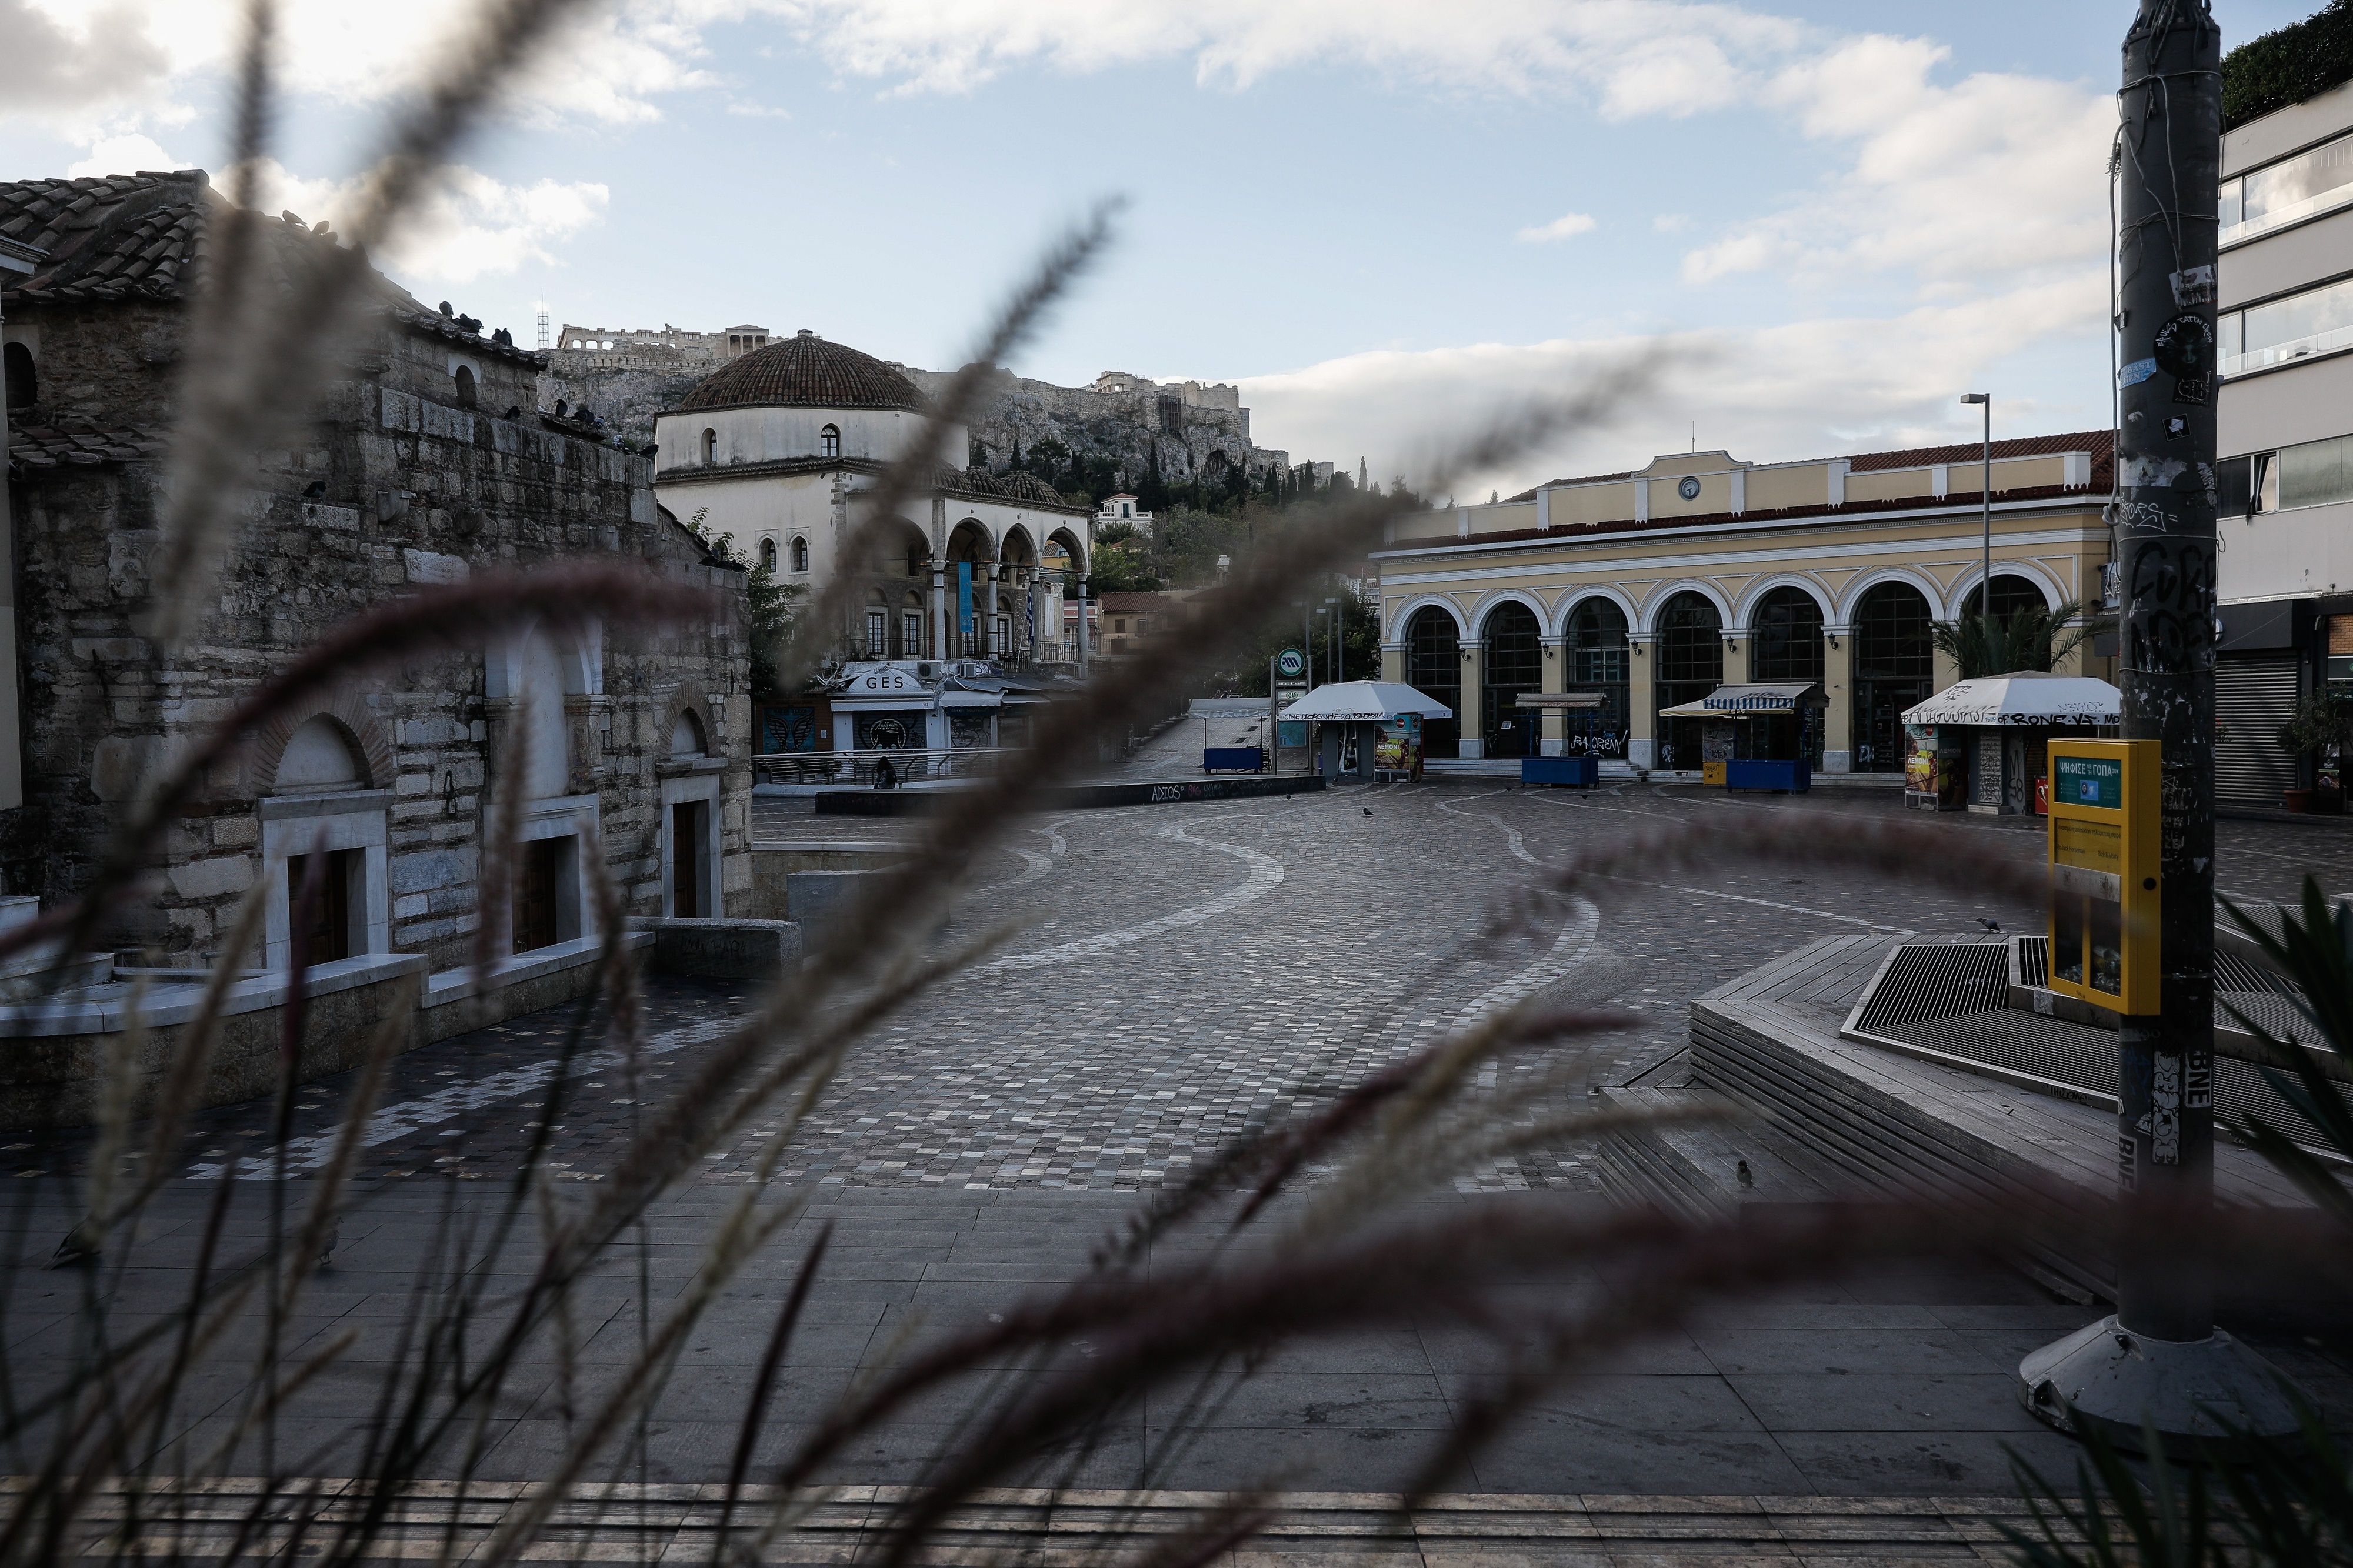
(1759, 737)
(1985, 741)
(1359, 720)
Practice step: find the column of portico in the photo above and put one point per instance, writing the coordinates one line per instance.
(1735, 655)
(1474, 671)
(1393, 661)
(1083, 623)
(1838, 686)
(1642, 705)
(939, 609)
(1556, 681)
(1943, 669)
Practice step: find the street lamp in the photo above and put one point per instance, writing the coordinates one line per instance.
(1333, 632)
(1984, 587)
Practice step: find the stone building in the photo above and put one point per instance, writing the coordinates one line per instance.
(425, 459)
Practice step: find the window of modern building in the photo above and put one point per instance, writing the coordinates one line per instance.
(464, 377)
(800, 554)
(709, 446)
(1894, 669)
(2304, 186)
(24, 382)
(2316, 473)
(768, 554)
(828, 441)
(2316, 322)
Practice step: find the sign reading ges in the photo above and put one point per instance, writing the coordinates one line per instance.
(2104, 893)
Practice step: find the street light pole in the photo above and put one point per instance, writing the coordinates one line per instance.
(1985, 586)
(2161, 1361)
(1339, 671)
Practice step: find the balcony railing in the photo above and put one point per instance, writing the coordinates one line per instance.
(862, 767)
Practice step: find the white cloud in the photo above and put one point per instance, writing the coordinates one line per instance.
(1805, 389)
(1992, 182)
(1671, 223)
(121, 155)
(469, 227)
(70, 67)
(1565, 227)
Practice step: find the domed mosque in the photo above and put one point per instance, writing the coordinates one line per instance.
(781, 449)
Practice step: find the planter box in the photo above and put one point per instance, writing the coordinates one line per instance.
(1795, 778)
(1572, 772)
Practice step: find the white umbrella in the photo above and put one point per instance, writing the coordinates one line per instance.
(2021, 696)
(1366, 701)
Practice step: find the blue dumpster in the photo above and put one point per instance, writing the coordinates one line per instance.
(1794, 777)
(1232, 759)
(1577, 773)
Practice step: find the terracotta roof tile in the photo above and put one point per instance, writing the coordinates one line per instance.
(85, 446)
(805, 371)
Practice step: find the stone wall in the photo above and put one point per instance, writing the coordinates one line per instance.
(414, 490)
(1194, 430)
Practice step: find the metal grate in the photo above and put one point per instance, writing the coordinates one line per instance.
(2034, 961)
(1935, 980)
(2253, 698)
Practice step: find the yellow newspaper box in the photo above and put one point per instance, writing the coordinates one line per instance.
(2104, 873)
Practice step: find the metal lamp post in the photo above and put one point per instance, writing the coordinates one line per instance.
(2159, 1360)
(1984, 587)
(1339, 671)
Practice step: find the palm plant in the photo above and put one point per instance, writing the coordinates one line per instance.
(2029, 638)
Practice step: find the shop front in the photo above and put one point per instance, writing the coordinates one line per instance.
(1986, 743)
(1366, 728)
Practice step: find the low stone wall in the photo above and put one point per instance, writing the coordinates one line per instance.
(775, 861)
(55, 1057)
(726, 950)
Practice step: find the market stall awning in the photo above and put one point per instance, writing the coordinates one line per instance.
(1558, 699)
(1364, 702)
(2021, 696)
(1753, 701)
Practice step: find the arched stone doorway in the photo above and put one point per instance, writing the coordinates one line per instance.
(1894, 669)
(1690, 666)
(1511, 663)
(1433, 666)
(1598, 663)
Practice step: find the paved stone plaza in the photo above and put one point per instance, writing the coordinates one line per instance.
(1177, 971)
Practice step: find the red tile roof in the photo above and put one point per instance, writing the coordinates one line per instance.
(60, 446)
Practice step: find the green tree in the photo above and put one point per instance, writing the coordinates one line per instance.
(2033, 638)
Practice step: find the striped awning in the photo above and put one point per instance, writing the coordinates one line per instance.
(1757, 701)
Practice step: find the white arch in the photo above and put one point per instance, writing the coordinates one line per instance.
(1926, 584)
(1487, 607)
(992, 544)
(2033, 572)
(1411, 608)
(1028, 543)
(1764, 586)
(1576, 596)
(1073, 545)
(579, 654)
(1658, 601)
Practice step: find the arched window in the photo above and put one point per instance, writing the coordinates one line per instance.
(828, 441)
(1894, 667)
(464, 377)
(800, 554)
(24, 383)
(1515, 664)
(768, 555)
(1433, 667)
(1598, 663)
(686, 739)
(2011, 593)
(709, 446)
(1690, 666)
(1786, 636)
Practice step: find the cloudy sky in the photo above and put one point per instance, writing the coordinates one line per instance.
(1823, 219)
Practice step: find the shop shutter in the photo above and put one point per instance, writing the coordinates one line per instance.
(2253, 698)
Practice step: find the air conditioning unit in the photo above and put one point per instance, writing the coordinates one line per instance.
(926, 669)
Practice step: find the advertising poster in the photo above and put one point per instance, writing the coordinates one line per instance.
(1399, 750)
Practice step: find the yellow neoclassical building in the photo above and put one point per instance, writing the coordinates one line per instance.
(1648, 589)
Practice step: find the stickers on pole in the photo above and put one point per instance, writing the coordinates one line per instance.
(2104, 888)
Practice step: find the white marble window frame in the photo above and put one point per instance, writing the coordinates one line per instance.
(300, 823)
(695, 779)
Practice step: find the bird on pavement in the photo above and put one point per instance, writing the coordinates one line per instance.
(1368, 811)
(1741, 1169)
(1989, 925)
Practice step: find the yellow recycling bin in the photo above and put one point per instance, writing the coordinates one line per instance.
(2104, 888)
